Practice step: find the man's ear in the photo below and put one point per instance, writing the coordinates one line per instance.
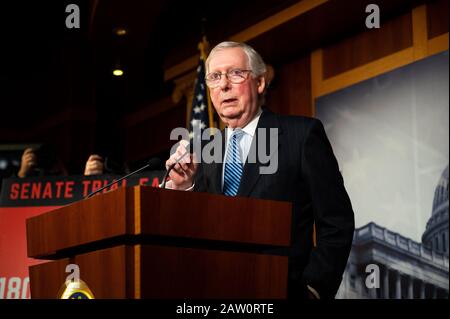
(261, 84)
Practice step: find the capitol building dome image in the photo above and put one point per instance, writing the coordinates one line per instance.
(407, 269)
(435, 236)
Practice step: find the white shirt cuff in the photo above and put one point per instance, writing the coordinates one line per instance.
(169, 186)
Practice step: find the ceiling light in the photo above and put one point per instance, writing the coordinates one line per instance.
(120, 31)
(118, 72)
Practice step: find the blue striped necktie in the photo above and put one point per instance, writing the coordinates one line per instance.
(233, 165)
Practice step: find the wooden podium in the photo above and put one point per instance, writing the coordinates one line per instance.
(145, 242)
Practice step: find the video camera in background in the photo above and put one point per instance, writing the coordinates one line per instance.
(47, 161)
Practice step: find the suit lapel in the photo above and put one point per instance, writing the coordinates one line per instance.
(216, 169)
(251, 172)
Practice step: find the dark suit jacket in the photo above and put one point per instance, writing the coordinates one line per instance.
(309, 177)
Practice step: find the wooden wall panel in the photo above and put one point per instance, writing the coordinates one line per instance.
(291, 89)
(151, 136)
(393, 36)
(437, 18)
(341, 65)
(349, 59)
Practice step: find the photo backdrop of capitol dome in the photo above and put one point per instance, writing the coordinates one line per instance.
(390, 135)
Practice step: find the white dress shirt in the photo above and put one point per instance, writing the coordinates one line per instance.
(245, 141)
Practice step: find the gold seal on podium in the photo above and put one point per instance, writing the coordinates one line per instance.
(73, 289)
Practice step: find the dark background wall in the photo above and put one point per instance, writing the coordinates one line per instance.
(56, 84)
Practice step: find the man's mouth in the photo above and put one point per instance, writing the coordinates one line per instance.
(229, 101)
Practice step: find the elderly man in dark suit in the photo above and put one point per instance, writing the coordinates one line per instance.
(306, 171)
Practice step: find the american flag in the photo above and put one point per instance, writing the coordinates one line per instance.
(199, 117)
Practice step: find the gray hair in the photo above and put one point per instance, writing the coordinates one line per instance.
(255, 60)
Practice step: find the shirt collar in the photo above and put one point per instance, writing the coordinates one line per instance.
(250, 128)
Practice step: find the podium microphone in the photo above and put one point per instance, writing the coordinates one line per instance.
(151, 163)
(163, 184)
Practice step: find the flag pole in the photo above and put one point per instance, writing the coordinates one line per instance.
(203, 47)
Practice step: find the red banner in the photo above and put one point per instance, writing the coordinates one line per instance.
(63, 190)
(24, 198)
(14, 281)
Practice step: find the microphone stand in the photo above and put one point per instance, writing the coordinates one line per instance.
(116, 181)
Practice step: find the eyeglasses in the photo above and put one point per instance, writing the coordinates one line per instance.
(235, 76)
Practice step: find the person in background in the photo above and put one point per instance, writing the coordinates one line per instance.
(94, 165)
(41, 161)
(44, 161)
(111, 163)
